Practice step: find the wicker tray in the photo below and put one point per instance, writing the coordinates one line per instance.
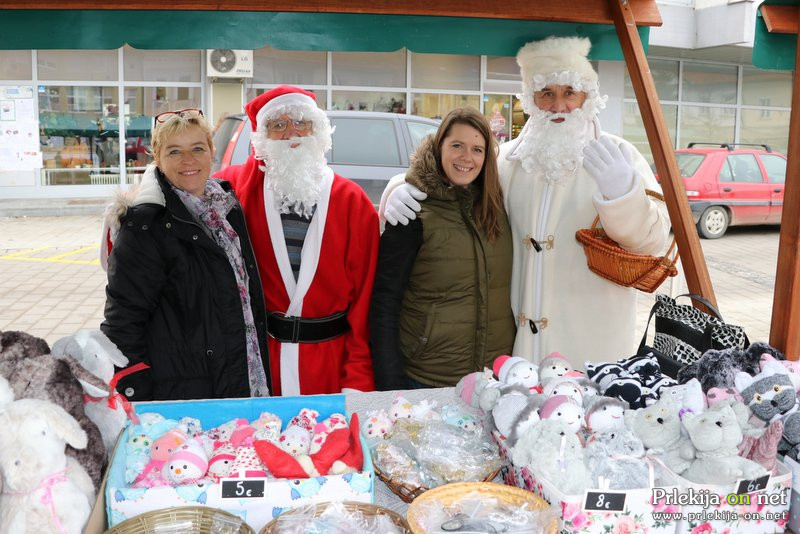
(447, 494)
(188, 519)
(409, 492)
(366, 509)
(610, 261)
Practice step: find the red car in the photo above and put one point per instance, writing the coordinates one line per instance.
(728, 185)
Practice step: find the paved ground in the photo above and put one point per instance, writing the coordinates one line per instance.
(51, 283)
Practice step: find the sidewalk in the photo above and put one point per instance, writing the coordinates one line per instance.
(51, 283)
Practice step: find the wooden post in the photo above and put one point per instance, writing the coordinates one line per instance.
(694, 264)
(784, 333)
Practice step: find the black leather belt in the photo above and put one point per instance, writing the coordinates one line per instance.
(302, 330)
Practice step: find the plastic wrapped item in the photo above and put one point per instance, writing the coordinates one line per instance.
(484, 514)
(339, 518)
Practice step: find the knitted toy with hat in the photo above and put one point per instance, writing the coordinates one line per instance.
(563, 386)
(153, 473)
(221, 462)
(477, 390)
(605, 414)
(187, 464)
(564, 409)
(511, 370)
(553, 365)
(515, 412)
(324, 428)
(296, 437)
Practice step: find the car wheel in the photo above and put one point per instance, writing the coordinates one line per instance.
(713, 222)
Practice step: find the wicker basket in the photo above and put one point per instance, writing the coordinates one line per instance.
(409, 492)
(366, 509)
(448, 494)
(189, 519)
(607, 259)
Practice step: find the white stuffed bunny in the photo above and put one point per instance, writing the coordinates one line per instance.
(98, 355)
(44, 490)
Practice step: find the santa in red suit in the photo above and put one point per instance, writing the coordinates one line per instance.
(315, 236)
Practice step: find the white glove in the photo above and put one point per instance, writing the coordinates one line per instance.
(610, 165)
(402, 205)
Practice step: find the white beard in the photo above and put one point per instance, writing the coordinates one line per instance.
(555, 149)
(294, 174)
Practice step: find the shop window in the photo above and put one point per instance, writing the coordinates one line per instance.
(497, 110)
(369, 101)
(15, 65)
(161, 65)
(633, 127)
(436, 106)
(766, 88)
(707, 124)
(294, 67)
(79, 135)
(709, 83)
(445, 71)
(322, 95)
(502, 68)
(772, 130)
(665, 77)
(77, 65)
(376, 69)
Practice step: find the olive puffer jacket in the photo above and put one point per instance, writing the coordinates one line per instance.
(441, 303)
(172, 301)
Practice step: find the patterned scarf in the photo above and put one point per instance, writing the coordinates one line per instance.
(211, 210)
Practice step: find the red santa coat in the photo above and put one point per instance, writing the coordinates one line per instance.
(337, 271)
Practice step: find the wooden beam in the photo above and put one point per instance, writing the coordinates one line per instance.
(680, 214)
(586, 11)
(780, 19)
(784, 333)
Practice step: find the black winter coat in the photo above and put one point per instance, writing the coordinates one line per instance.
(173, 303)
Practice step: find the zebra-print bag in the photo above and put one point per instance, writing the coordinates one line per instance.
(684, 333)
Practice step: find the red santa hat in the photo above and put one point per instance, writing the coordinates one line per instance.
(280, 100)
(503, 365)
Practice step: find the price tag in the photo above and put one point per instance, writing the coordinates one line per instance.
(751, 486)
(604, 501)
(242, 488)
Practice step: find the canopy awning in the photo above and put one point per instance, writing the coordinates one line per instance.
(250, 30)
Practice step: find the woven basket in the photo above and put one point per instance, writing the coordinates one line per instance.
(448, 494)
(194, 519)
(409, 492)
(607, 259)
(367, 509)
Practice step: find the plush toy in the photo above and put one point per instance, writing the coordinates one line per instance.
(718, 368)
(565, 409)
(769, 394)
(511, 370)
(659, 428)
(715, 435)
(268, 426)
(514, 409)
(247, 463)
(459, 417)
(187, 464)
(553, 365)
(687, 397)
(43, 489)
(221, 462)
(222, 433)
(553, 450)
(376, 425)
(296, 437)
(137, 454)
(588, 387)
(99, 355)
(400, 408)
(563, 386)
(153, 473)
(33, 373)
(615, 460)
(716, 395)
(603, 373)
(190, 427)
(792, 366)
(473, 386)
(605, 415)
(323, 428)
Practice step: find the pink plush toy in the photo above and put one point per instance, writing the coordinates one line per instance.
(323, 429)
(162, 448)
(296, 438)
(716, 395)
(187, 464)
(400, 409)
(247, 464)
(565, 409)
(377, 425)
(221, 462)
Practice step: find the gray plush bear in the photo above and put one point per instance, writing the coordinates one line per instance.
(715, 435)
(617, 456)
(659, 428)
(718, 368)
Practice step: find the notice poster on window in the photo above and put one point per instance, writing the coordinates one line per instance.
(19, 129)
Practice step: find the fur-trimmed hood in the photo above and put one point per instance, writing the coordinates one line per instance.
(424, 174)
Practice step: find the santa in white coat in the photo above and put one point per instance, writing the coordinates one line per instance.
(559, 174)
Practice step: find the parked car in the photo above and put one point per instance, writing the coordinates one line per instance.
(728, 184)
(368, 147)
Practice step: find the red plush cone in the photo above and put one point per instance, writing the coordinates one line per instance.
(335, 446)
(353, 458)
(279, 462)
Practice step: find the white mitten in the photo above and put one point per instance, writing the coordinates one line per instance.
(402, 205)
(611, 166)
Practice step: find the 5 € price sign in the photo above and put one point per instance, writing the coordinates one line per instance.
(604, 501)
(242, 489)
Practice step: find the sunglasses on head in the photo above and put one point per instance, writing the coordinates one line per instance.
(188, 112)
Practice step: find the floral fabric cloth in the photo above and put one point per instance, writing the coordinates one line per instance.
(211, 210)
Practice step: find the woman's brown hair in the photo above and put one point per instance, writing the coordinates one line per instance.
(488, 206)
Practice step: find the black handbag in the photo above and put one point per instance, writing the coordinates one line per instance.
(683, 333)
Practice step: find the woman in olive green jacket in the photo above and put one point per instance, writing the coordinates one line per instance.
(440, 305)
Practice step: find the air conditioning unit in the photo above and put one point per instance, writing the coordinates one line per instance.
(226, 63)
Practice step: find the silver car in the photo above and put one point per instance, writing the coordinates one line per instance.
(369, 147)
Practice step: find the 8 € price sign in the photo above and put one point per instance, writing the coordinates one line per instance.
(604, 501)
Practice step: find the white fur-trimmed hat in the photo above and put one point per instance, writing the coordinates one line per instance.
(539, 61)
